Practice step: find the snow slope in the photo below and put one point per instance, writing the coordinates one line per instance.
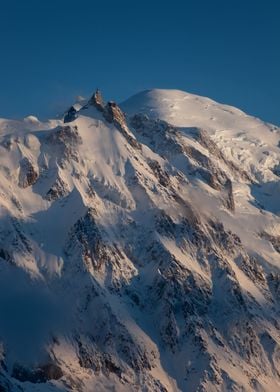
(140, 248)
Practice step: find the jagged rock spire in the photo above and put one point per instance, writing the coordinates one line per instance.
(97, 100)
(114, 114)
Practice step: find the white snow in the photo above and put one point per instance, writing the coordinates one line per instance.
(144, 204)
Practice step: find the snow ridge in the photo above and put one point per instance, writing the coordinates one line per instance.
(139, 248)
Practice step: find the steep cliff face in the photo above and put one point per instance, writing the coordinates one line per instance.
(139, 248)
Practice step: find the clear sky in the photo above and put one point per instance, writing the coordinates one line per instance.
(52, 51)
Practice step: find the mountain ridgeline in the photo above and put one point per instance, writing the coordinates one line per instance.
(140, 248)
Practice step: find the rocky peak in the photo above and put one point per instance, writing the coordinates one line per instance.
(114, 114)
(97, 100)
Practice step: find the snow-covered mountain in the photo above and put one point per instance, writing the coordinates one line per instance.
(140, 248)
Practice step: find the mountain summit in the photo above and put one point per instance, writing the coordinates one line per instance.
(140, 248)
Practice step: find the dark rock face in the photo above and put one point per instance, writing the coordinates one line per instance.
(40, 374)
(230, 204)
(252, 269)
(65, 135)
(8, 386)
(5, 255)
(28, 174)
(87, 237)
(113, 114)
(13, 239)
(58, 190)
(160, 174)
(66, 139)
(274, 284)
(70, 115)
(158, 134)
(276, 170)
(274, 240)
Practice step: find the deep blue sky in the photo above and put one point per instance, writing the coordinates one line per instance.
(52, 51)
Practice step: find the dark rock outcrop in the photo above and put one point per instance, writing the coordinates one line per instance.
(59, 189)
(70, 115)
(229, 201)
(113, 114)
(28, 174)
(97, 100)
(66, 139)
(87, 238)
(40, 374)
(273, 239)
(160, 174)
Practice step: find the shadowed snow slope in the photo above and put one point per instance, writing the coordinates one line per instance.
(140, 248)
